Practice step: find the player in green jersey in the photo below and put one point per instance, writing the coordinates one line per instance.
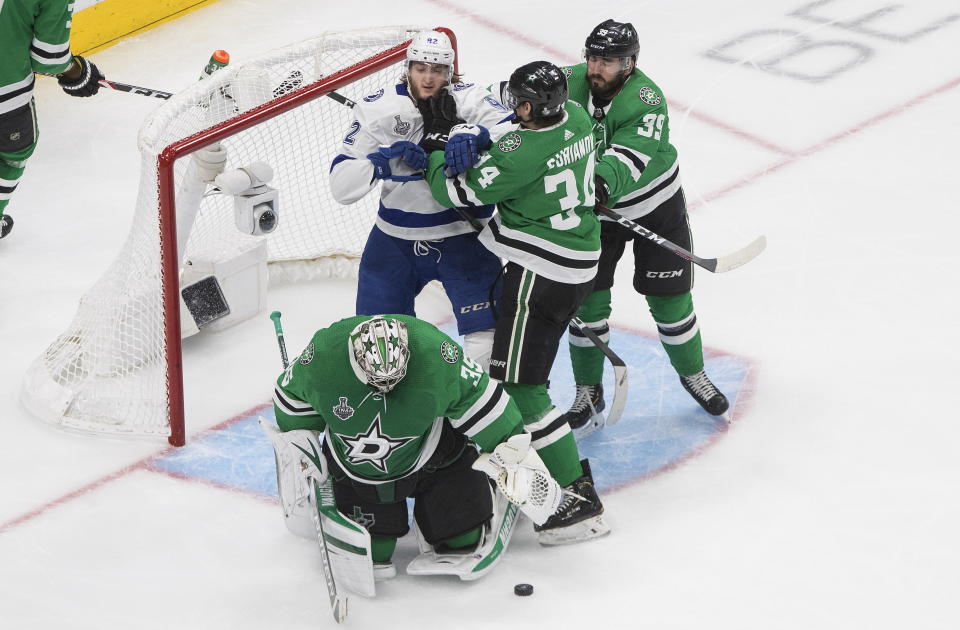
(34, 37)
(538, 169)
(637, 175)
(401, 408)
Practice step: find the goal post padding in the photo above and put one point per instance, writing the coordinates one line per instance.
(117, 369)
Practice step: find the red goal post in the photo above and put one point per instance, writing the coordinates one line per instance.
(111, 372)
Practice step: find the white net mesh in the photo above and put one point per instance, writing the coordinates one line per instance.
(107, 373)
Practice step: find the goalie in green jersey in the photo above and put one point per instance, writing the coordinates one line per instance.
(401, 408)
(538, 169)
(34, 37)
(637, 175)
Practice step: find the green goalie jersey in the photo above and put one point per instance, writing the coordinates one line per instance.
(34, 37)
(542, 183)
(381, 437)
(634, 154)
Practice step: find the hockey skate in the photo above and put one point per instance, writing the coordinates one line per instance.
(6, 224)
(579, 517)
(705, 393)
(585, 414)
(384, 571)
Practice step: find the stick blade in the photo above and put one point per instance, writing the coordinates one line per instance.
(340, 609)
(619, 394)
(741, 256)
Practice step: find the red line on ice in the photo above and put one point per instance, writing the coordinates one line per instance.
(143, 464)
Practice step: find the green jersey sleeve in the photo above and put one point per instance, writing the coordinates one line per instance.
(50, 48)
(289, 401)
(632, 146)
(483, 411)
(494, 178)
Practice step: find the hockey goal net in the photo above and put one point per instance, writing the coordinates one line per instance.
(117, 368)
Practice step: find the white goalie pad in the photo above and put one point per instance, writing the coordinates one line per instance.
(477, 562)
(344, 545)
(298, 458)
(522, 477)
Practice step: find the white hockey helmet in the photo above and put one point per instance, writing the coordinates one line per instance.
(381, 350)
(431, 47)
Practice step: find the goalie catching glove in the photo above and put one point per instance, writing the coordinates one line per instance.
(522, 477)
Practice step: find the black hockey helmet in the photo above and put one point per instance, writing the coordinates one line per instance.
(612, 39)
(539, 83)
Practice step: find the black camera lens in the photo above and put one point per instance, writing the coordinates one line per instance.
(267, 221)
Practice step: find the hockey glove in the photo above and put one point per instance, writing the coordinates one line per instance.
(464, 147)
(409, 153)
(601, 191)
(439, 116)
(86, 84)
(522, 477)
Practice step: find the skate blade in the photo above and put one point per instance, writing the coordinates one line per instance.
(595, 424)
(588, 529)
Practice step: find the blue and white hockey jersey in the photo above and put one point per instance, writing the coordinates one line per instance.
(407, 209)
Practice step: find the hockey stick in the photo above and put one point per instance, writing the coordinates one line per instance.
(619, 366)
(142, 91)
(134, 89)
(716, 265)
(621, 386)
(278, 329)
(338, 603)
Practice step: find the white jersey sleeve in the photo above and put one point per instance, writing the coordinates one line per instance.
(477, 106)
(351, 173)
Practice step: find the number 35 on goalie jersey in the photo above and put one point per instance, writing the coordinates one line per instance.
(542, 183)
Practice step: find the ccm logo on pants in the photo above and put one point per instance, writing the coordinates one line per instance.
(665, 274)
(474, 307)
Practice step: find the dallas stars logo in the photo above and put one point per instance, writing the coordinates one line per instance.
(649, 96)
(509, 142)
(372, 447)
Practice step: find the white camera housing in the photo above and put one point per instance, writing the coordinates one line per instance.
(256, 205)
(256, 212)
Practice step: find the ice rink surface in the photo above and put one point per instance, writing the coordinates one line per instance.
(831, 502)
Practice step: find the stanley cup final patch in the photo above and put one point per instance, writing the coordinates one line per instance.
(649, 96)
(402, 126)
(343, 410)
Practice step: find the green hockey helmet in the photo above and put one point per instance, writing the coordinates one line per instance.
(381, 350)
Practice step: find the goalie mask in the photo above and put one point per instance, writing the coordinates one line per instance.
(433, 48)
(381, 350)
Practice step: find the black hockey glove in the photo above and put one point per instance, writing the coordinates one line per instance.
(439, 116)
(601, 191)
(84, 85)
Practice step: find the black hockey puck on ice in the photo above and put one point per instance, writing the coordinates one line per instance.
(523, 590)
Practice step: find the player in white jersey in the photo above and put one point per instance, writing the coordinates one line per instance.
(415, 239)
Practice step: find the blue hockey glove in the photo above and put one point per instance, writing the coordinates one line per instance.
(408, 152)
(464, 147)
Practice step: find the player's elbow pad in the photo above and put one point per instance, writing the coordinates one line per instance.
(351, 180)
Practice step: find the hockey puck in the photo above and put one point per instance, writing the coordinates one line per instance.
(523, 590)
